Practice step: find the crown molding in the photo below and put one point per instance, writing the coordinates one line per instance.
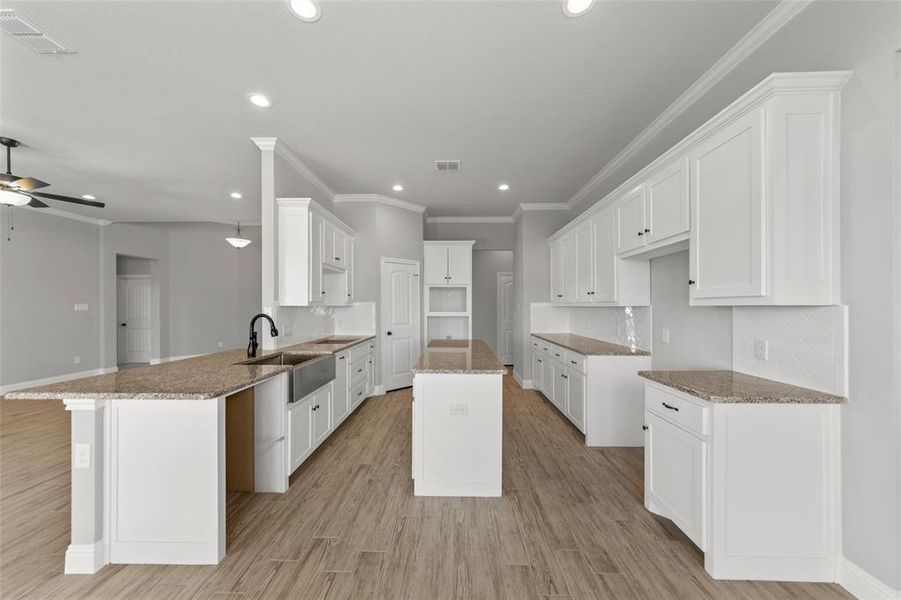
(535, 206)
(70, 215)
(288, 155)
(469, 219)
(774, 20)
(379, 199)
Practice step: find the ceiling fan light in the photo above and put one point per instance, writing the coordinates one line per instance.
(11, 198)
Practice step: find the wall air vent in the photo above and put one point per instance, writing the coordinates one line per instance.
(448, 165)
(28, 34)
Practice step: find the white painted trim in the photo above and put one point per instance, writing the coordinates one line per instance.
(265, 143)
(527, 384)
(168, 359)
(70, 215)
(469, 219)
(775, 20)
(497, 298)
(91, 404)
(862, 584)
(379, 390)
(85, 559)
(518, 379)
(288, 155)
(379, 199)
(12, 387)
(533, 206)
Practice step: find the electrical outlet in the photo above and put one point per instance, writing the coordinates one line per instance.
(81, 456)
(762, 349)
(77, 359)
(220, 344)
(458, 410)
(665, 334)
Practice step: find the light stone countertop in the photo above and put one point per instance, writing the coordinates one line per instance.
(198, 378)
(738, 388)
(459, 357)
(589, 346)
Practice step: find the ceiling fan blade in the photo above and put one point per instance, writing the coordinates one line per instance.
(35, 203)
(29, 183)
(68, 199)
(8, 177)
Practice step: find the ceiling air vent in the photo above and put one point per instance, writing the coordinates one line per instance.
(28, 34)
(448, 165)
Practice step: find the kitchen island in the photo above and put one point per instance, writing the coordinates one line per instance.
(154, 450)
(457, 420)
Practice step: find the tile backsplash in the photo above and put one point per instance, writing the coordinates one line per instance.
(807, 345)
(628, 326)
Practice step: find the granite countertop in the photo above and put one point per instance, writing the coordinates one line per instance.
(737, 388)
(459, 357)
(589, 346)
(198, 378)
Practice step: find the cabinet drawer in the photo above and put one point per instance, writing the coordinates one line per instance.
(359, 369)
(693, 417)
(361, 350)
(556, 352)
(574, 360)
(358, 393)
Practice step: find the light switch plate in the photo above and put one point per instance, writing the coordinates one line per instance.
(81, 456)
(458, 410)
(762, 349)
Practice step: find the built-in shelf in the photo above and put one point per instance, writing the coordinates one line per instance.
(448, 328)
(442, 313)
(448, 290)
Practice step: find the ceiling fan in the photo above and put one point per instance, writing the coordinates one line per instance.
(19, 191)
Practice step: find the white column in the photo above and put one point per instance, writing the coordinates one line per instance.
(269, 242)
(87, 553)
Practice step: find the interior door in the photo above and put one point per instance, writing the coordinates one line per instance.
(630, 221)
(400, 322)
(604, 234)
(505, 309)
(135, 319)
(435, 264)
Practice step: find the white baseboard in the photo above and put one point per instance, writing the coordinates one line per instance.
(378, 390)
(517, 377)
(85, 559)
(863, 585)
(12, 387)
(168, 359)
(527, 384)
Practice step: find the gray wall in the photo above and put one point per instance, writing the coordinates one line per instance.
(700, 336)
(486, 264)
(488, 236)
(49, 266)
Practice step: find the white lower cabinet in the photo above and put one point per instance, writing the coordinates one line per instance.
(559, 397)
(755, 485)
(300, 432)
(341, 391)
(322, 414)
(575, 396)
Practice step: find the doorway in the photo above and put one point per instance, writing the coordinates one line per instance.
(400, 333)
(505, 310)
(135, 322)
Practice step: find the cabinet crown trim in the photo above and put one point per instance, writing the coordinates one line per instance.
(315, 206)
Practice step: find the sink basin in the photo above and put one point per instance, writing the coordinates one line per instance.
(336, 339)
(281, 359)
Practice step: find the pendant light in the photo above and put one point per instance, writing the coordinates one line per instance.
(238, 241)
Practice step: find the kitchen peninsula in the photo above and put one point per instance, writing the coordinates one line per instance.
(155, 449)
(457, 420)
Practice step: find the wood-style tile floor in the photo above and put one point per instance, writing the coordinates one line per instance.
(570, 525)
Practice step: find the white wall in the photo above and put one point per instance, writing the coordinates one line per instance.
(487, 236)
(486, 264)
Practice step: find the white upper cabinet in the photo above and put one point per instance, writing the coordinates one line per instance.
(448, 263)
(630, 223)
(584, 264)
(753, 194)
(310, 239)
(727, 212)
(666, 203)
(570, 269)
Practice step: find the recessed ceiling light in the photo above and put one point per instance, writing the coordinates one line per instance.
(260, 100)
(236, 195)
(88, 197)
(305, 10)
(503, 187)
(397, 187)
(575, 8)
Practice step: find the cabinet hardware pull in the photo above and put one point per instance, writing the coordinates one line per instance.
(564, 377)
(640, 233)
(538, 359)
(359, 370)
(341, 357)
(647, 231)
(691, 282)
(644, 427)
(337, 258)
(573, 362)
(675, 408)
(557, 355)
(559, 295)
(323, 292)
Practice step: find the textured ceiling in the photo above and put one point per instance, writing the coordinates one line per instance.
(151, 114)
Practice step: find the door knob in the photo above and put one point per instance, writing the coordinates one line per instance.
(389, 333)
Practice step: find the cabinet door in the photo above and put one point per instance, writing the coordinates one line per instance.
(575, 394)
(341, 391)
(349, 260)
(340, 249)
(300, 433)
(630, 222)
(727, 210)
(560, 387)
(321, 410)
(667, 202)
(459, 265)
(605, 260)
(570, 276)
(370, 374)
(557, 271)
(584, 264)
(435, 258)
(537, 371)
(547, 378)
(675, 476)
(329, 244)
(317, 290)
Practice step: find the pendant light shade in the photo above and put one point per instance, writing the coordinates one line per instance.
(11, 198)
(238, 241)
